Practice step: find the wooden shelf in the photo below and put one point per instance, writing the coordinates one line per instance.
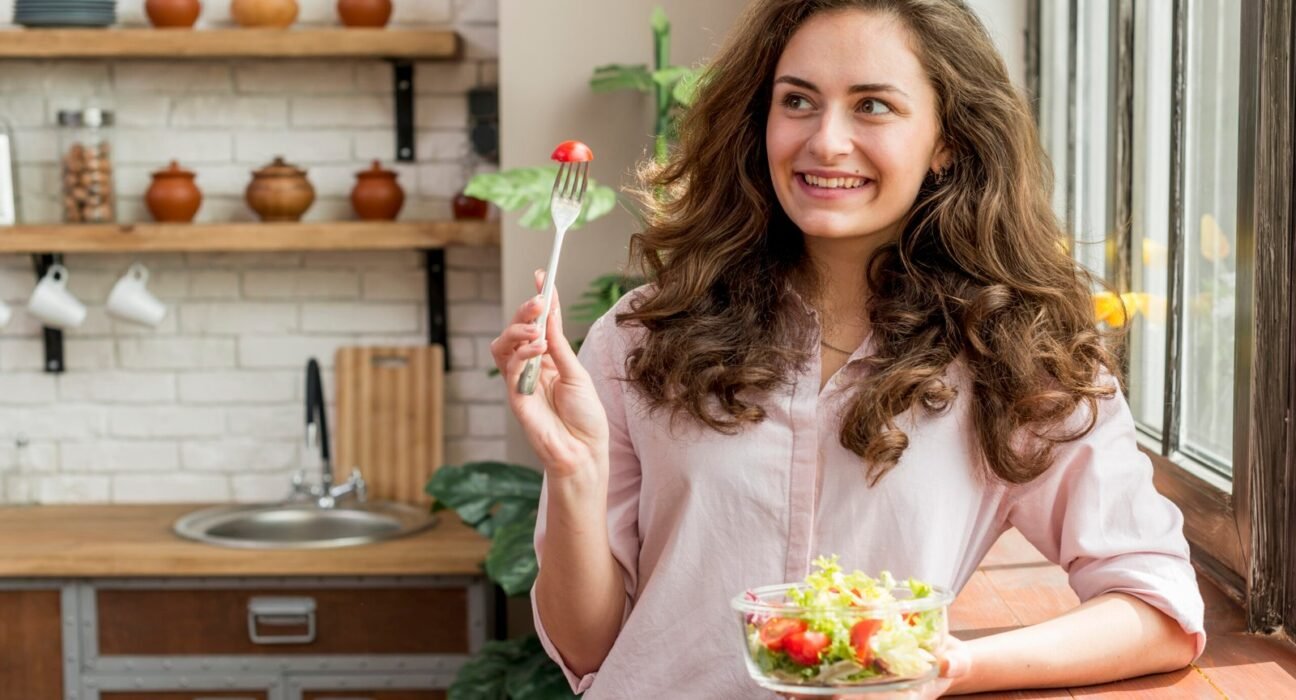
(245, 236)
(230, 43)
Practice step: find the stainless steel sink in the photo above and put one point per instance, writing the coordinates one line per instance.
(302, 525)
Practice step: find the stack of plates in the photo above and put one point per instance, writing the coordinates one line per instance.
(65, 13)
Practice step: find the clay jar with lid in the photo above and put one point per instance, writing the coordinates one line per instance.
(173, 196)
(173, 14)
(376, 196)
(364, 13)
(264, 13)
(280, 192)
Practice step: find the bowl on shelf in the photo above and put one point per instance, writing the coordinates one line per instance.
(65, 13)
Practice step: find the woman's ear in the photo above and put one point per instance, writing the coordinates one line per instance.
(941, 157)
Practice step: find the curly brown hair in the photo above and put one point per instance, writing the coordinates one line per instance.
(979, 273)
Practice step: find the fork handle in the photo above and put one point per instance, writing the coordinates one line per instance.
(531, 371)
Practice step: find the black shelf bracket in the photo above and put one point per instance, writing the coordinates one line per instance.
(403, 80)
(438, 332)
(53, 337)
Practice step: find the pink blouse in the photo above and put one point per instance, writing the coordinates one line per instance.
(696, 517)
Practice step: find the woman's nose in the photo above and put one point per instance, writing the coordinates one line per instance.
(832, 138)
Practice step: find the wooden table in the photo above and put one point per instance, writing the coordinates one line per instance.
(1017, 586)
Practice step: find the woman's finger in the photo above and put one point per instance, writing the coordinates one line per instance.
(513, 337)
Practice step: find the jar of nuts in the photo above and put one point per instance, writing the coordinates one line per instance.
(88, 192)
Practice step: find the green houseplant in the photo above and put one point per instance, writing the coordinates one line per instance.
(673, 89)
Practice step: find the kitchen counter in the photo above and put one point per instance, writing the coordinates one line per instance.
(137, 541)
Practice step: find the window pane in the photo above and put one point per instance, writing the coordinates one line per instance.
(1150, 227)
(1210, 227)
(1090, 225)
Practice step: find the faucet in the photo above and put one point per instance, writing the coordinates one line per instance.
(325, 493)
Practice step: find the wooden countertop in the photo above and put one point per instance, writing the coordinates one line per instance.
(136, 541)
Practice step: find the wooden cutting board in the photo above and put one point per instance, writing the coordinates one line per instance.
(390, 408)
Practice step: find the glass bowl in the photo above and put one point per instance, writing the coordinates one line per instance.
(846, 649)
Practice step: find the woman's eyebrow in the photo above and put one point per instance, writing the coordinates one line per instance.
(863, 87)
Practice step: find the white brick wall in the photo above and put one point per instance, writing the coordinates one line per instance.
(207, 407)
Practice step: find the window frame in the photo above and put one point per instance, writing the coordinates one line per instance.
(1242, 537)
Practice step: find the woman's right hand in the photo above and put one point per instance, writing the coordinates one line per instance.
(564, 419)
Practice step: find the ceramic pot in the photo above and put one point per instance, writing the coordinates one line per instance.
(364, 13)
(466, 207)
(376, 196)
(173, 14)
(173, 196)
(280, 192)
(264, 13)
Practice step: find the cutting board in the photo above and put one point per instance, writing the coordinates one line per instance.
(390, 409)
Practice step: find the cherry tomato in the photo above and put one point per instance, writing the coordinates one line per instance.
(805, 647)
(572, 152)
(860, 635)
(776, 629)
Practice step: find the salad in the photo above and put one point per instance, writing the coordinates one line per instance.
(843, 629)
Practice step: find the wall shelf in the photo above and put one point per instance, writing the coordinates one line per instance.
(332, 42)
(245, 236)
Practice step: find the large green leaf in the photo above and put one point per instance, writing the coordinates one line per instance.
(516, 669)
(485, 676)
(534, 676)
(487, 495)
(616, 76)
(685, 90)
(532, 187)
(511, 561)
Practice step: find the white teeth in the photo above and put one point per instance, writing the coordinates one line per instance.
(835, 182)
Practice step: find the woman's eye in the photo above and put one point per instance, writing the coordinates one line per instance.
(791, 101)
(872, 106)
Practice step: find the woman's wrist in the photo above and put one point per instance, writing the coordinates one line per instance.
(578, 498)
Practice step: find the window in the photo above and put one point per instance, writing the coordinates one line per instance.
(1171, 141)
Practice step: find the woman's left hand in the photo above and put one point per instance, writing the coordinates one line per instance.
(955, 663)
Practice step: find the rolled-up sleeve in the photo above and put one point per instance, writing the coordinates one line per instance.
(1097, 514)
(603, 355)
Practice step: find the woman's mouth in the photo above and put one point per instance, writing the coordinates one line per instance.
(831, 187)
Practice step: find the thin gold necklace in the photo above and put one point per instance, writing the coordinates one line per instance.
(834, 347)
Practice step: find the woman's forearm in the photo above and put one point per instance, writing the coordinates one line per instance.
(580, 594)
(1110, 637)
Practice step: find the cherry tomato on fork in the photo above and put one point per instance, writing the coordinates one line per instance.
(572, 152)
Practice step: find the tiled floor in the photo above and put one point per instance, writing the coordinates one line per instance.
(1016, 586)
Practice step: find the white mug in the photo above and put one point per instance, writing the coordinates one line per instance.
(130, 299)
(52, 303)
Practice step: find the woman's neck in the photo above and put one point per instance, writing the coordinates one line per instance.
(841, 289)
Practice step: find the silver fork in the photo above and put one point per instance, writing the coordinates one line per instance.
(564, 206)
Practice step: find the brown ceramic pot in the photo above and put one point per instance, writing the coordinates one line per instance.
(173, 14)
(364, 13)
(280, 192)
(173, 196)
(466, 207)
(376, 196)
(264, 13)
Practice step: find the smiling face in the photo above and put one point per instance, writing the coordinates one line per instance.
(853, 127)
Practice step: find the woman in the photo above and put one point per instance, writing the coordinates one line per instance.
(863, 336)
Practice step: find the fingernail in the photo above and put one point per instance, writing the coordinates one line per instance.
(537, 344)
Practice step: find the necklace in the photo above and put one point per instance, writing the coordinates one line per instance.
(834, 347)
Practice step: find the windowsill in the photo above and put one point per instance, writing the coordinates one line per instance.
(1016, 586)
(1210, 476)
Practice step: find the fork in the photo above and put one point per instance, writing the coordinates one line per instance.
(564, 205)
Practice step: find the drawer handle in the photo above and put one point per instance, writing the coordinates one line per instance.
(273, 611)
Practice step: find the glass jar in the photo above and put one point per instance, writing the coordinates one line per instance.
(88, 191)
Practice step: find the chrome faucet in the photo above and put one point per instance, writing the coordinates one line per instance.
(326, 495)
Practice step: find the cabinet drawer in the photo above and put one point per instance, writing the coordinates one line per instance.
(169, 622)
(184, 695)
(31, 644)
(374, 695)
